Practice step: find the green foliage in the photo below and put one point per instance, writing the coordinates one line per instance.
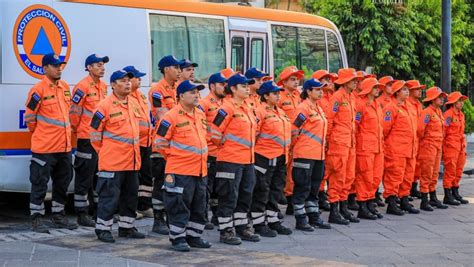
(468, 110)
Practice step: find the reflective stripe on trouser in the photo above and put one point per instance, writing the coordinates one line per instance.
(85, 167)
(454, 161)
(158, 171)
(308, 175)
(336, 168)
(145, 180)
(349, 186)
(117, 190)
(58, 166)
(430, 159)
(395, 182)
(186, 208)
(270, 180)
(234, 186)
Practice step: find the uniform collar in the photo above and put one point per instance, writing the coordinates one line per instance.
(48, 82)
(181, 111)
(118, 102)
(293, 93)
(166, 85)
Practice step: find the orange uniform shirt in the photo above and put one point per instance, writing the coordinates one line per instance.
(86, 96)
(47, 117)
(369, 126)
(253, 102)
(289, 101)
(454, 129)
(115, 134)
(181, 138)
(385, 100)
(273, 132)
(399, 130)
(162, 97)
(210, 105)
(430, 126)
(341, 119)
(309, 129)
(324, 102)
(144, 123)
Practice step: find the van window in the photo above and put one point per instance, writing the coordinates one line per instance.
(256, 56)
(312, 50)
(201, 40)
(284, 47)
(238, 53)
(335, 57)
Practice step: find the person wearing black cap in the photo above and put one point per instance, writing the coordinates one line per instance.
(181, 138)
(187, 71)
(47, 118)
(86, 96)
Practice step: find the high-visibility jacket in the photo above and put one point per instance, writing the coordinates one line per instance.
(399, 130)
(237, 127)
(273, 132)
(289, 101)
(86, 96)
(181, 138)
(115, 134)
(210, 105)
(162, 97)
(369, 127)
(324, 102)
(309, 128)
(385, 100)
(341, 119)
(430, 126)
(47, 117)
(454, 130)
(253, 101)
(145, 121)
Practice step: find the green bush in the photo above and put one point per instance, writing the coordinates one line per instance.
(468, 110)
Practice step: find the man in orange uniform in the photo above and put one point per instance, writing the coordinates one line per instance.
(163, 98)
(431, 134)
(210, 105)
(289, 79)
(86, 96)
(181, 138)
(341, 143)
(115, 136)
(47, 118)
(386, 97)
(259, 77)
(145, 177)
(187, 71)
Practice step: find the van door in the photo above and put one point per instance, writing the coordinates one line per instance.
(248, 49)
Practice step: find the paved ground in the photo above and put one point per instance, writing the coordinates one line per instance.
(440, 238)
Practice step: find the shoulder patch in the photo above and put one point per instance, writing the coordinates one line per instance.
(201, 108)
(34, 101)
(97, 119)
(156, 99)
(358, 116)
(78, 96)
(335, 107)
(388, 116)
(427, 118)
(163, 128)
(221, 115)
(448, 121)
(300, 119)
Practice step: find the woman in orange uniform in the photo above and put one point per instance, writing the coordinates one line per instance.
(454, 148)
(430, 134)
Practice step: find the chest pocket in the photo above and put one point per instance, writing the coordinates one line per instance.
(287, 105)
(183, 129)
(92, 98)
(117, 118)
(50, 103)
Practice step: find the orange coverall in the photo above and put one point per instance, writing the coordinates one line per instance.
(454, 147)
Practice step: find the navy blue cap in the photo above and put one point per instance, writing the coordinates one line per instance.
(309, 84)
(94, 58)
(187, 86)
(217, 78)
(238, 79)
(51, 59)
(169, 61)
(268, 87)
(136, 73)
(186, 64)
(255, 73)
(117, 75)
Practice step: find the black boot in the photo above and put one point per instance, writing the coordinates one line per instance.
(393, 207)
(60, 221)
(130, 233)
(378, 199)
(457, 196)
(316, 221)
(449, 198)
(335, 216)
(323, 201)
(435, 202)
(343, 209)
(104, 236)
(425, 205)
(37, 224)
(289, 207)
(371, 207)
(364, 212)
(352, 203)
(406, 206)
(414, 190)
(83, 219)
(159, 224)
(302, 223)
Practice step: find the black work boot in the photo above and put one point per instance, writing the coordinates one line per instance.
(378, 199)
(302, 223)
(392, 207)
(130, 233)
(406, 206)
(364, 212)
(159, 224)
(181, 246)
(228, 236)
(315, 220)
(280, 229)
(335, 216)
(104, 236)
(197, 242)
(245, 232)
(371, 206)
(343, 209)
(352, 203)
(425, 204)
(37, 224)
(457, 196)
(435, 202)
(323, 201)
(264, 230)
(60, 221)
(414, 190)
(449, 198)
(83, 219)
(289, 207)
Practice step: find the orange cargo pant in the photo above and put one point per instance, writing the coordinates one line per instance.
(369, 171)
(323, 182)
(430, 159)
(349, 185)
(395, 180)
(337, 165)
(454, 160)
(289, 178)
(417, 170)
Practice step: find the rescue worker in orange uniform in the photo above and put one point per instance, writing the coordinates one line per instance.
(341, 144)
(235, 176)
(188, 70)
(86, 96)
(454, 148)
(385, 97)
(116, 138)
(431, 133)
(163, 98)
(289, 79)
(271, 151)
(259, 77)
(181, 138)
(400, 150)
(308, 142)
(47, 118)
(210, 105)
(369, 147)
(145, 177)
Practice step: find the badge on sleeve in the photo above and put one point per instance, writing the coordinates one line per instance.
(300, 119)
(427, 118)
(221, 115)
(388, 116)
(448, 121)
(157, 99)
(34, 100)
(358, 116)
(96, 120)
(163, 128)
(78, 96)
(200, 107)
(169, 181)
(335, 108)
